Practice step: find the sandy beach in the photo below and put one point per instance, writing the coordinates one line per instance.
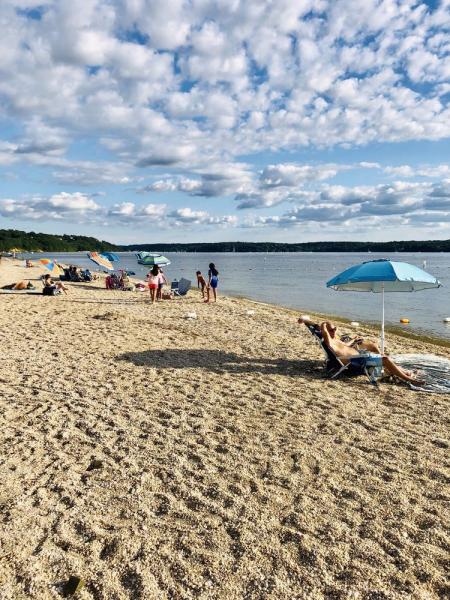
(159, 457)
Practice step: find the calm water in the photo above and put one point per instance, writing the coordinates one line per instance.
(297, 280)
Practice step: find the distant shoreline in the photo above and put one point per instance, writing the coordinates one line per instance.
(22, 242)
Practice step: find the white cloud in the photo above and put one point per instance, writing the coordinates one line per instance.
(291, 175)
(175, 80)
(58, 206)
(187, 216)
(129, 212)
(194, 87)
(435, 172)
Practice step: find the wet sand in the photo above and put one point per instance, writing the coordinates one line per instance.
(159, 457)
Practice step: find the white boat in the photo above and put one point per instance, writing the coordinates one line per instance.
(152, 258)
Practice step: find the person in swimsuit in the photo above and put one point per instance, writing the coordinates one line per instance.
(213, 282)
(347, 350)
(51, 286)
(20, 285)
(201, 282)
(153, 282)
(162, 281)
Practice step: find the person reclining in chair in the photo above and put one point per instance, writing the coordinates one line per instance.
(357, 347)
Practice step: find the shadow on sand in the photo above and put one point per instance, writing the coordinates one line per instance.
(219, 361)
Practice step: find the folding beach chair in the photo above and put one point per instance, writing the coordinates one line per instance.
(368, 363)
(181, 288)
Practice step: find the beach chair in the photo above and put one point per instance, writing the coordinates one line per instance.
(184, 285)
(368, 364)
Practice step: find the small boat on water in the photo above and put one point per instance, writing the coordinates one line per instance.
(152, 258)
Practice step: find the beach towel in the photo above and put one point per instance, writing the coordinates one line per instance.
(22, 292)
(434, 369)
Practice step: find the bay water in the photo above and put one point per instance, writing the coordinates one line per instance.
(297, 280)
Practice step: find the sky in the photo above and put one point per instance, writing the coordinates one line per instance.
(210, 120)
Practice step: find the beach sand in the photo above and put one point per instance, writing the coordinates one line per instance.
(158, 457)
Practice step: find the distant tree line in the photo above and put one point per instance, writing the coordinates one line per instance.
(36, 242)
(400, 246)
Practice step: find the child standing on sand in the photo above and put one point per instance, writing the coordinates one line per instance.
(153, 282)
(213, 282)
(162, 281)
(201, 282)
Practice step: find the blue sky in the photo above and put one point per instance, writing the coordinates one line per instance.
(207, 120)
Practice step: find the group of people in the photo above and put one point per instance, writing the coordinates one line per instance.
(119, 281)
(208, 287)
(76, 274)
(51, 288)
(156, 280)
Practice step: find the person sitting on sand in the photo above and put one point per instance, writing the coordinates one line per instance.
(347, 350)
(51, 288)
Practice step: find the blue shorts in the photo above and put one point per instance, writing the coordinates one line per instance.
(214, 282)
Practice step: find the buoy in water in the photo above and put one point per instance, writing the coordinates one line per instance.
(404, 321)
(447, 320)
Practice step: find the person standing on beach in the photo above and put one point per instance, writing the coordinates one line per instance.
(162, 281)
(213, 282)
(201, 283)
(153, 283)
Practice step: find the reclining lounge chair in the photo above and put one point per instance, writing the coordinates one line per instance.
(370, 365)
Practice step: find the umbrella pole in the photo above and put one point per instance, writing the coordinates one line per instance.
(382, 320)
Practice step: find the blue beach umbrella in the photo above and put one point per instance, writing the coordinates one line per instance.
(101, 260)
(110, 256)
(381, 276)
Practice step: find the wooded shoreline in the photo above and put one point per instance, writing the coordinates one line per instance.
(23, 241)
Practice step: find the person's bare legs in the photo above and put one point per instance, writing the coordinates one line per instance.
(370, 346)
(214, 294)
(394, 369)
(61, 286)
(207, 293)
(153, 295)
(304, 320)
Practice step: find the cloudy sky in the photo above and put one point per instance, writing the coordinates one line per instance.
(209, 120)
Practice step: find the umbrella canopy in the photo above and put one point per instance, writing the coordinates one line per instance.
(110, 256)
(381, 276)
(100, 260)
(51, 266)
(149, 259)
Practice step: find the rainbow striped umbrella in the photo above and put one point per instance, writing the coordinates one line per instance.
(110, 256)
(100, 260)
(51, 266)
